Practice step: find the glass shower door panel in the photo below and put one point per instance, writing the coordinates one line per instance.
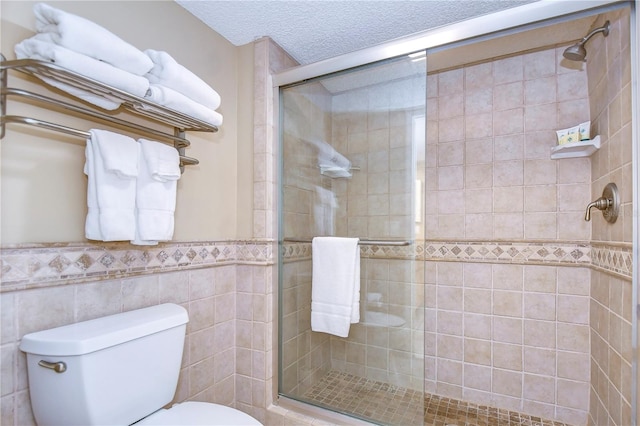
(352, 147)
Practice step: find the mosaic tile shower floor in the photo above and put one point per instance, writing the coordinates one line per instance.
(397, 406)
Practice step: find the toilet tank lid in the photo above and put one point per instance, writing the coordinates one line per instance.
(100, 333)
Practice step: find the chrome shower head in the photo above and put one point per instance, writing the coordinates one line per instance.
(577, 52)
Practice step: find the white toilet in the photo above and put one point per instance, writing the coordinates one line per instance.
(116, 370)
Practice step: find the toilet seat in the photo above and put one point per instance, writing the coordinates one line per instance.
(199, 413)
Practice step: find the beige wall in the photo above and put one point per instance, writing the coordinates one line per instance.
(43, 186)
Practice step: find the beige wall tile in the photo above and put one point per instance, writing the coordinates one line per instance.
(507, 356)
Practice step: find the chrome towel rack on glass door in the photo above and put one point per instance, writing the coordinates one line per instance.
(361, 242)
(140, 106)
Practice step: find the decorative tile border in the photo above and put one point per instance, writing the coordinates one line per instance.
(54, 264)
(608, 257)
(58, 264)
(510, 252)
(613, 258)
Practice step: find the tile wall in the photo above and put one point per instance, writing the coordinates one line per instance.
(609, 87)
(497, 333)
(224, 287)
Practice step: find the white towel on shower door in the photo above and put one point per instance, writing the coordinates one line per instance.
(335, 285)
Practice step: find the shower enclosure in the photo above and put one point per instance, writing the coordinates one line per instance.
(351, 145)
(482, 285)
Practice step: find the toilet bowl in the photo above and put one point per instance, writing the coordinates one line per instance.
(116, 370)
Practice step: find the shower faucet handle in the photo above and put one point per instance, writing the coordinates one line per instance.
(601, 204)
(609, 203)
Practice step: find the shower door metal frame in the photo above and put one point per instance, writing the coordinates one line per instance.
(529, 16)
(635, 173)
(538, 12)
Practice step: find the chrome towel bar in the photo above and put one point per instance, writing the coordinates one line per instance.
(184, 160)
(361, 242)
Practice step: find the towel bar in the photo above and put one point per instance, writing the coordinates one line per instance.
(140, 106)
(361, 242)
(179, 141)
(131, 102)
(184, 160)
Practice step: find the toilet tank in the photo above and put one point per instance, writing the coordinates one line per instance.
(119, 368)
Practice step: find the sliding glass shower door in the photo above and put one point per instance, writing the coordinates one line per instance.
(352, 149)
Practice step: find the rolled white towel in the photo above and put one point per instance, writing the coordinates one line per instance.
(37, 47)
(179, 102)
(168, 72)
(84, 36)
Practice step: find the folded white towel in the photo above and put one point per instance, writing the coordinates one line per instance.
(168, 72)
(111, 168)
(87, 37)
(328, 156)
(177, 101)
(38, 48)
(159, 171)
(335, 285)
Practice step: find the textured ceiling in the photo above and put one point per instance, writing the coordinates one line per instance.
(312, 30)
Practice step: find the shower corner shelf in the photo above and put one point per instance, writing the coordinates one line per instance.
(575, 149)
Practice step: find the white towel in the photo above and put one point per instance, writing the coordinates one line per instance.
(92, 223)
(38, 48)
(328, 156)
(88, 38)
(159, 171)
(177, 101)
(168, 72)
(335, 285)
(111, 167)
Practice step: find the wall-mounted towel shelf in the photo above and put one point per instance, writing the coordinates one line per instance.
(135, 104)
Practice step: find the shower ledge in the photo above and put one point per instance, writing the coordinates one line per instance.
(575, 149)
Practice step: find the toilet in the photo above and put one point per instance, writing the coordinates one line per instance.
(116, 370)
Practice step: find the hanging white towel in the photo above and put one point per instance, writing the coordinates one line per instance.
(88, 38)
(159, 171)
(38, 48)
(335, 286)
(111, 167)
(177, 101)
(169, 73)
